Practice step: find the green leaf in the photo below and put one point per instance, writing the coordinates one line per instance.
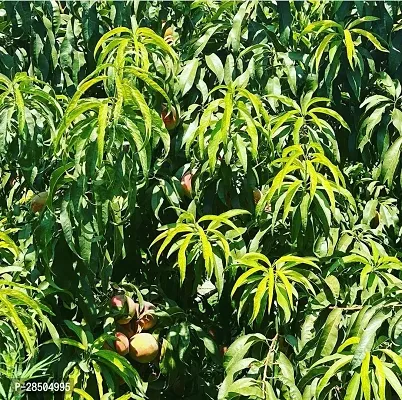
(19, 101)
(397, 359)
(335, 367)
(239, 348)
(83, 394)
(13, 316)
(227, 115)
(70, 342)
(122, 367)
(359, 21)
(219, 270)
(139, 99)
(284, 300)
(353, 387)
(296, 130)
(251, 129)
(235, 32)
(373, 101)
(169, 235)
(259, 294)
(243, 278)
(393, 381)
(204, 39)
(109, 34)
(102, 123)
(367, 338)
(182, 259)
(209, 344)
(332, 114)
(214, 63)
(304, 207)
(146, 77)
(241, 151)
(271, 287)
(365, 376)
(290, 193)
(348, 342)
(397, 119)
(391, 160)
(187, 76)
(245, 387)
(321, 25)
(372, 39)
(149, 36)
(54, 179)
(379, 372)
(206, 251)
(321, 48)
(350, 47)
(273, 88)
(329, 190)
(329, 335)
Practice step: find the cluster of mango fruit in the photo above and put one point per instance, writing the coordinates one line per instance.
(133, 323)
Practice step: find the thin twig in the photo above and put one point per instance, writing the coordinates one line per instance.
(352, 308)
(346, 308)
(271, 349)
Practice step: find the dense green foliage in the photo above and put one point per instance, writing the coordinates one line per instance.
(237, 164)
